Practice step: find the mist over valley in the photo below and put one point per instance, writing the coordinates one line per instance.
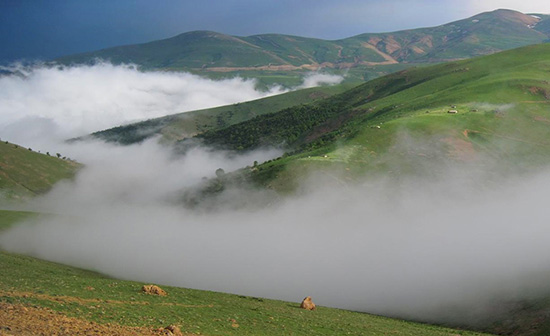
(418, 194)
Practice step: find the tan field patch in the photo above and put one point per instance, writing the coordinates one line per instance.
(388, 58)
(427, 40)
(417, 50)
(17, 319)
(392, 45)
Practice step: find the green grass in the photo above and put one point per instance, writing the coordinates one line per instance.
(92, 296)
(503, 102)
(184, 125)
(25, 173)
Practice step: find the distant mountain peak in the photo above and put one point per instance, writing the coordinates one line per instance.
(213, 52)
(516, 16)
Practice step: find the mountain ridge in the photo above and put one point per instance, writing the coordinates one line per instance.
(213, 52)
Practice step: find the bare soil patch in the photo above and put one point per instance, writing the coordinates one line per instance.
(17, 319)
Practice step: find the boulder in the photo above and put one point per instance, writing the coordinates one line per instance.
(153, 289)
(307, 304)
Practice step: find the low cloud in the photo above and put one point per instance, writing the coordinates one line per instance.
(449, 248)
(63, 102)
(317, 79)
(47, 104)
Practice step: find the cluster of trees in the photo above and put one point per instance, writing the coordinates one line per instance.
(130, 134)
(288, 127)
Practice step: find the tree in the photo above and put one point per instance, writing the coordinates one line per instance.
(220, 172)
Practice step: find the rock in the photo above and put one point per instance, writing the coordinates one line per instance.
(173, 330)
(153, 289)
(307, 304)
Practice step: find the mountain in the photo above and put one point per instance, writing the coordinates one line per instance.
(501, 104)
(368, 55)
(25, 173)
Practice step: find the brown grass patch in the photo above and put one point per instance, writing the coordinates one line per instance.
(17, 319)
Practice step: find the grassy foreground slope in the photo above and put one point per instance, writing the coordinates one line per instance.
(502, 100)
(27, 283)
(188, 124)
(279, 58)
(25, 173)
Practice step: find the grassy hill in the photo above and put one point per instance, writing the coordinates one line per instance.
(502, 102)
(29, 286)
(188, 124)
(25, 173)
(277, 58)
(399, 125)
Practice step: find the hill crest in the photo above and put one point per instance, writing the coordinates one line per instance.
(213, 52)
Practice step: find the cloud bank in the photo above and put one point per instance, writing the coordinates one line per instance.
(63, 102)
(41, 104)
(445, 249)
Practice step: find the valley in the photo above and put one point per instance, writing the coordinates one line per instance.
(408, 198)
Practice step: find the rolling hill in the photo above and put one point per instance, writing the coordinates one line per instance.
(25, 173)
(488, 115)
(188, 124)
(367, 55)
(501, 102)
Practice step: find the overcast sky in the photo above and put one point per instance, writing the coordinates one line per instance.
(46, 29)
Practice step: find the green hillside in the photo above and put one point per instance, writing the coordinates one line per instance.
(25, 173)
(279, 58)
(31, 283)
(188, 124)
(399, 126)
(502, 102)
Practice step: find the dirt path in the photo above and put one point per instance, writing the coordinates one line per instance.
(16, 319)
